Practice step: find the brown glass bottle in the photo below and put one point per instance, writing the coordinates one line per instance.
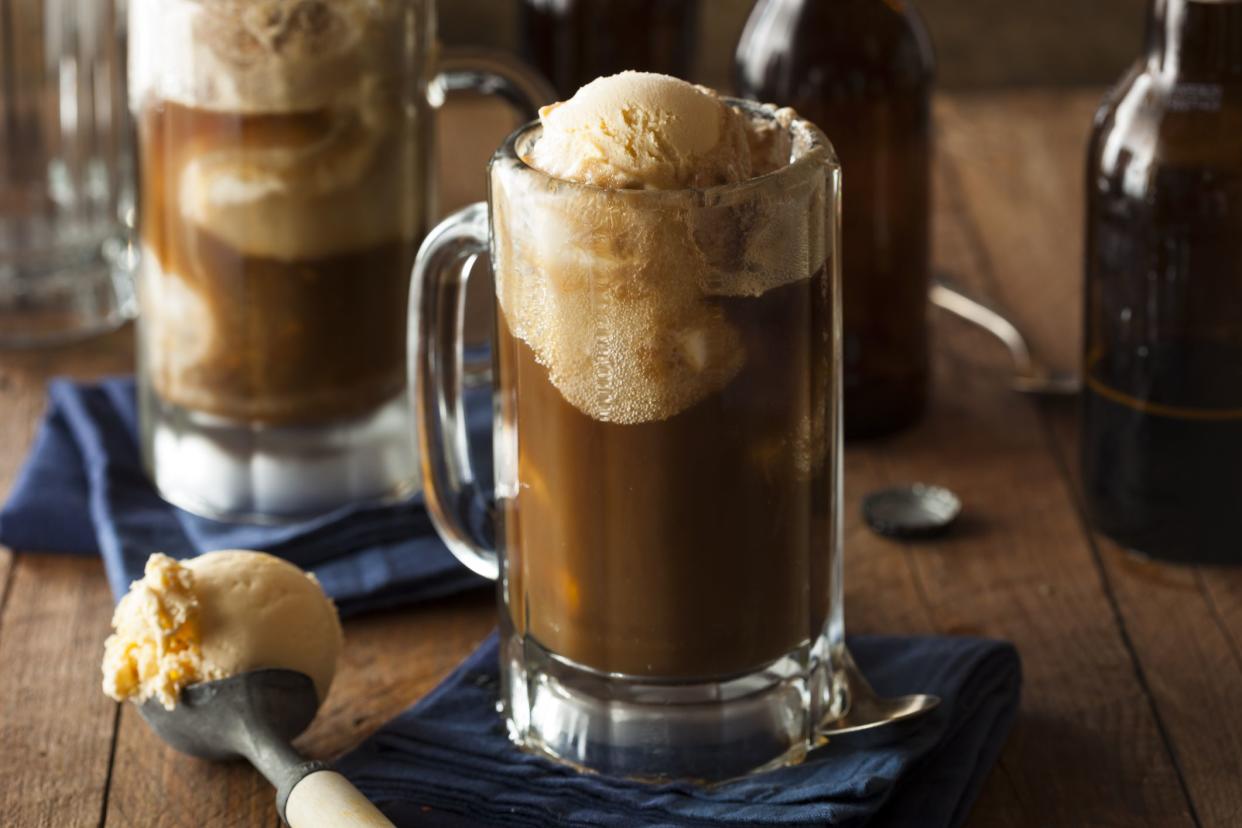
(1162, 404)
(863, 70)
(573, 42)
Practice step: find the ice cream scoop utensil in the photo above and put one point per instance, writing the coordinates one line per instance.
(255, 715)
(868, 711)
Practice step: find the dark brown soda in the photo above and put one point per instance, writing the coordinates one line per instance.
(1162, 404)
(691, 547)
(294, 341)
(862, 70)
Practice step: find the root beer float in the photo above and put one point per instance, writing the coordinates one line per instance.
(283, 170)
(667, 437)
(670, 384)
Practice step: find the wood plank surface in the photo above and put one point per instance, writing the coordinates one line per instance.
(1021, 567)
(6, 573)
(1133, 670)
(1182, 623)
(56, 726)
(1224, 591)
(1020, 168)
(1186, 651)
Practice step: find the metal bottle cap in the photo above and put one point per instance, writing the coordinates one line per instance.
(916, 510)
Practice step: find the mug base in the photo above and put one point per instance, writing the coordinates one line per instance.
(65, 302)
(249, 473)
(705, 731)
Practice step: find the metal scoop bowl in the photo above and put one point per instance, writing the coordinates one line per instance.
(255, 715)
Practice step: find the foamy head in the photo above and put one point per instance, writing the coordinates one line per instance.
(251, 56)
(618, 292)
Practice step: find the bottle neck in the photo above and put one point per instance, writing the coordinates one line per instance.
(1198, 40)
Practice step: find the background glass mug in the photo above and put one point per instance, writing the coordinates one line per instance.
(285, 155)
(66, 173)
(667, 458)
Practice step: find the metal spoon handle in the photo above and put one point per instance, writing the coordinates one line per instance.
(949, 298)
(1030, 377)
(308, 793)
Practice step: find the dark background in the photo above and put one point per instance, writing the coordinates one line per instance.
(979, 43)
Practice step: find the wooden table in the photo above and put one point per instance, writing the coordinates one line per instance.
(1132, 703)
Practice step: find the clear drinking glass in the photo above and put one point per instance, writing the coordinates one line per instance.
(65, 171)
(667, 458)
(285, 157)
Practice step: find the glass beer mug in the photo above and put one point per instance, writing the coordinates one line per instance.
(667, 457)
(66, 172)
(285, 153)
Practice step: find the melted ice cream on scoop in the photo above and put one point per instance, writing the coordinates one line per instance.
(215, 616)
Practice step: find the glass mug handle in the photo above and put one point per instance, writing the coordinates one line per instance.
(489, 73)
(496, 74)
(436, 321)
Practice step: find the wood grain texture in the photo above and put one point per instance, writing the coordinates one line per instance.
(1021, 567)
(1183, 622)
(1224, 591)
(1180, 623)
(56, 724)
(24, 375)
(6, 572)
(1020, 169)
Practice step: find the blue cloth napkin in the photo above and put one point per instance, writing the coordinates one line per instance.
(448, 762)
(83, 490)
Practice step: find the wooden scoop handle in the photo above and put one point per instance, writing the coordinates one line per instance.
(325, 799)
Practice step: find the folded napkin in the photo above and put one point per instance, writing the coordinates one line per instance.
(448, 762)
(83, 490)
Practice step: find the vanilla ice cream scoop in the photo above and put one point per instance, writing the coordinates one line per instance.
(215, 616)
(619, 292)
(639, 130)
